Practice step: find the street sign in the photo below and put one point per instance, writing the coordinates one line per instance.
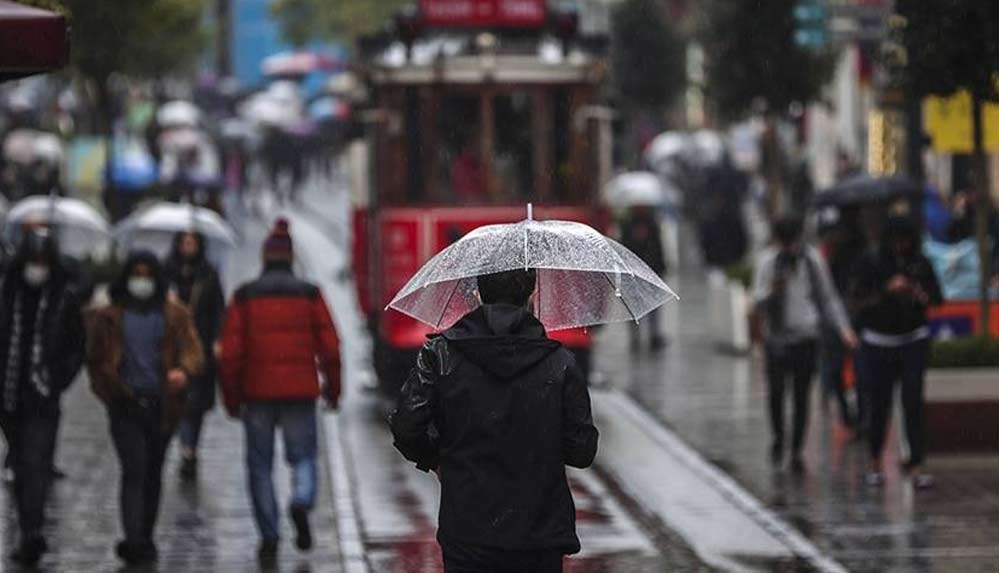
(811, 19)
(484, 13)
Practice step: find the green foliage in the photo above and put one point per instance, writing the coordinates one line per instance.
(950, 45)
(752, 56)
(971, 352)
(302, 21)
(648, 57)
(139, 38)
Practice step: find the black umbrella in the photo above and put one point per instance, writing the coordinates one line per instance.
(862, 189)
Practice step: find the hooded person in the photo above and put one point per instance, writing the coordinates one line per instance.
(41, 351)
(142, 352)
(893, 287)
(193, 280)
(279, 353)
(498, 410)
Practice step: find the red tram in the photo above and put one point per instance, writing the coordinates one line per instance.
(477, 108)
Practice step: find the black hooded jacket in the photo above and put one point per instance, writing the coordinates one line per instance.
(885, 312)
(499, 410)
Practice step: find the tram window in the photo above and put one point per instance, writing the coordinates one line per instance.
(514, 157)
(459, 156)
(561, 141)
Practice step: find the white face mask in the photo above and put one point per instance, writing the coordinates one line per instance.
(142, 288)
(36, 274)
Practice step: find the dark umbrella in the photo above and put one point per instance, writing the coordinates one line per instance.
(862, 189)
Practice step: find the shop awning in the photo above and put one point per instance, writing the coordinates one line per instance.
(32, 41)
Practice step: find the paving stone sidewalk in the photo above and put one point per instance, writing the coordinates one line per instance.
(203, 527)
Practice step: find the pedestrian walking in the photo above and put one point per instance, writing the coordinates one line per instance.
(278, 330)
(894, 286)
(143, 350)
(42, 349)
(640, 233)
(193, 280)
(794, 295)
(843, 245)
(497, 410)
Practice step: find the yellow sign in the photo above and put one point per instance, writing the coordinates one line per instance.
(948, 121)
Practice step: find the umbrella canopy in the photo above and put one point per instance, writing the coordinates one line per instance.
(584, 278)
(178, 113)
(19, 145)
(31, 40)
(133, 169)
(155, 226)
(297, 64)
(862, 189)
(80, 228)
(635, 188)
(666, 148)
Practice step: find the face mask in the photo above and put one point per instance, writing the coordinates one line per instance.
(142, 288)
(35, 274)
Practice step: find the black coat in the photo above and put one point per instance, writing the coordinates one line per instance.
(500, 410)
(202, 293)
(888, 313)
(63, 341)
(641, 235)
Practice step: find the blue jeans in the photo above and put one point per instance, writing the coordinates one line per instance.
(297, 420)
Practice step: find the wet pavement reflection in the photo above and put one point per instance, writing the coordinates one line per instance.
(716, 402)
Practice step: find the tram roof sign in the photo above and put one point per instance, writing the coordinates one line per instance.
(484, 13)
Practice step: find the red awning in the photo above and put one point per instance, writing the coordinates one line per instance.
(32, 41)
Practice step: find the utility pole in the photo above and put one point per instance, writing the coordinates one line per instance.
(223, 49)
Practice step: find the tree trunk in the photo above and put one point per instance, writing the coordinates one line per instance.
(983, 212)
(105, 123)
(773, 168)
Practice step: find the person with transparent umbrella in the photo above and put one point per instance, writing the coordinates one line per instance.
(493, 406)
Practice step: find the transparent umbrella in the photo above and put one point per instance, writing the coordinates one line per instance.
(584, 278)
(80, 228)
(154, 228)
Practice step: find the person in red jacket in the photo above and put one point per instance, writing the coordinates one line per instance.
(277, 331)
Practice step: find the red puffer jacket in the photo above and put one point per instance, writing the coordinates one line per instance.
(278, 330)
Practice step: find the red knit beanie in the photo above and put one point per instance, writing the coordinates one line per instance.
(277, 246)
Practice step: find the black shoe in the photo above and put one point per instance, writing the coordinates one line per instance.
(777, 455)
(268, 551)
(56, 473)
(188, 469)
(659, 342)
(797, 465)
(300, 517)
(134, 553)
(30, 552)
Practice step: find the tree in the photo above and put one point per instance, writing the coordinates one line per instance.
(648, 58)
(951, 45)
(752, 60)
(302, 21)
(143, 39)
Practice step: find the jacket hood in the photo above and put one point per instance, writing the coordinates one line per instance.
(502, 339)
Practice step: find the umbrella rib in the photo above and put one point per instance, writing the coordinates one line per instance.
(623, 301)
(447, 304)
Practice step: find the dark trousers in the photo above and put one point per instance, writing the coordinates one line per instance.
(31, 435)
(189, 431)
(883, 367)
(463, 558)
(141, 446)
(831, 362)
(794, 363)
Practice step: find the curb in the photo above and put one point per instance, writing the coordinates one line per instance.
(348, 523)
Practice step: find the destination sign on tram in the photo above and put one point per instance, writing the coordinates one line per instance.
(483, 13)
